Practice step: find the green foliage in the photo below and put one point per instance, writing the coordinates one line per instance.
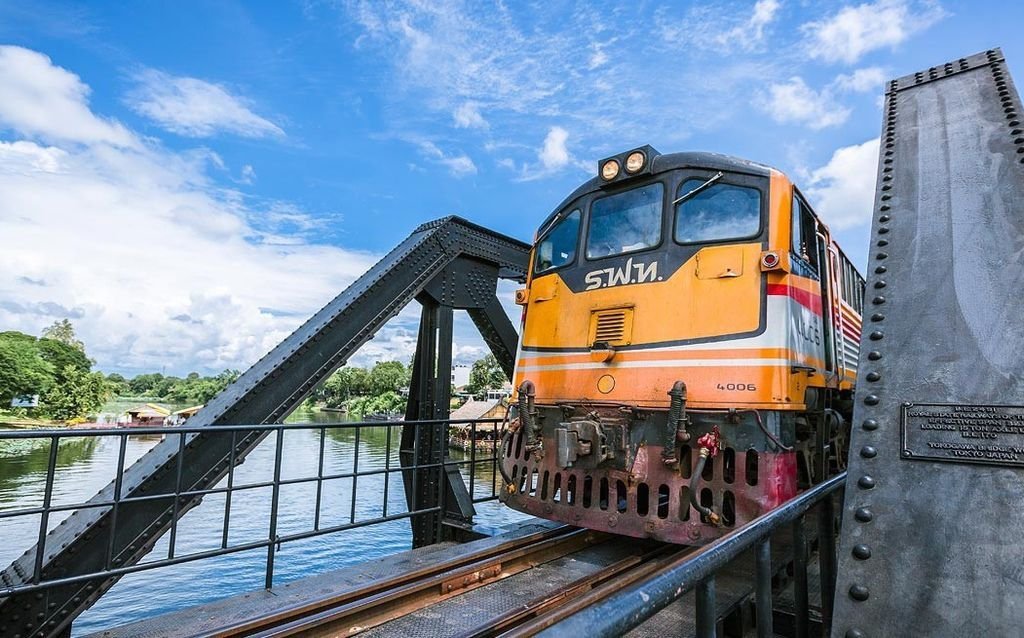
(143, 384)
(22, 368)
(64, 332)
(195, 389)
(485, 375)
(386, 403)
(75, 394)
(62, 355)
(388, 376)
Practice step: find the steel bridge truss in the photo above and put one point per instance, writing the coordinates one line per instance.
(446, 265)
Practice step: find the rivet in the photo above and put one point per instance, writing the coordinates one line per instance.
(859, 592)
(874, 355)
(883, 230)
(882, 243)
(878, 317)
(882, 256)
(870, 424)
(871, 399)
(855, 633)
(866, 482)
(861, 552)
(879, 300)
(876, 335)
(873, 376)
(863, 515)
(880, 283)
(868, 452)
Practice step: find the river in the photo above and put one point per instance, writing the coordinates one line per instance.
(85, 465)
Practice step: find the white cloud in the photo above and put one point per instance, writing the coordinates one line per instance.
(42, 100)
(554, 154)
(159, 268)
(467, 115)
(459, 165)
(857, 30)
(862, 80)
(842, 191)
(24, 156)
(566, 65)
(708, 26)
(795, 102)
(196, 108)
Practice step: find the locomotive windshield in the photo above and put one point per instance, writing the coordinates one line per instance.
(558, 247)
(721, 211)
(625, 222)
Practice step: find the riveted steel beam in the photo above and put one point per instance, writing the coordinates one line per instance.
(932, 520)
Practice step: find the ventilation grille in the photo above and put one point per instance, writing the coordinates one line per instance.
(611, 326)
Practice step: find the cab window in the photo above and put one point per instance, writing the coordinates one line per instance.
(558, 247)
(625, 222)
(721, 211)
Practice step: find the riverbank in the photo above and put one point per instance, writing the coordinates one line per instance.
(15, 422)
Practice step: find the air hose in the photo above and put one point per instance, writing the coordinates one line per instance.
(709, 446)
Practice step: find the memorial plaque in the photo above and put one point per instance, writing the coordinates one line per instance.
(990, 434)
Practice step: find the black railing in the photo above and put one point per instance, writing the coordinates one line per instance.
(479, 470)
(697, 571)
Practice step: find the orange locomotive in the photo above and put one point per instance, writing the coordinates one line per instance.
(688, 352)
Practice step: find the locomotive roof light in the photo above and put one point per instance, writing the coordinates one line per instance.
(635, 161)
(609, 170)
(628, 165)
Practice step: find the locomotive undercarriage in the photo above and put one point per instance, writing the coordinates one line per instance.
(606, 466)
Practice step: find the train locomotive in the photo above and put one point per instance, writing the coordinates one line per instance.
(688, 350)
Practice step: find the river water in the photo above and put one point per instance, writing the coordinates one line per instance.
(85, 465)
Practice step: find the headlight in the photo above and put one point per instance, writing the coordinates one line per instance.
(609, 170)
(635, 162)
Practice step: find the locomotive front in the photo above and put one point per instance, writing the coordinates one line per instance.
(667, 368)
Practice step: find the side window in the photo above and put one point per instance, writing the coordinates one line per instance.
(558, 247)
(805, 238)
(721, 211)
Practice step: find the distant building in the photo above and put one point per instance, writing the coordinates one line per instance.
(496, 394)
(460, 375)
(25, 401)
(148, 414)
(485, 435)
(179, 417)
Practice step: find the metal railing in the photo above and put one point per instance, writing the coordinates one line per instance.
(697, 571)
(479, 471)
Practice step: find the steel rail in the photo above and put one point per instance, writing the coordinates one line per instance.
(605, 587)
(543, 604)
(372, 604)
(631, 605)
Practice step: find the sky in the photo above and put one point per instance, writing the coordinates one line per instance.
(189, 181)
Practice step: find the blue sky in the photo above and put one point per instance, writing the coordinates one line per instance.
(189, 181)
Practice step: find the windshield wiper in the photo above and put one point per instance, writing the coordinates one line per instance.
(562, 214)
(714, 178)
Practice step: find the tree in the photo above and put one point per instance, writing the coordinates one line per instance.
(388, 376)
(77, 394)
(64, 332)
(142, 384)
(22, 369)
(61, 355)
(485, 375)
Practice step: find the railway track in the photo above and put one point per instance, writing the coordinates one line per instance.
(378, 602)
